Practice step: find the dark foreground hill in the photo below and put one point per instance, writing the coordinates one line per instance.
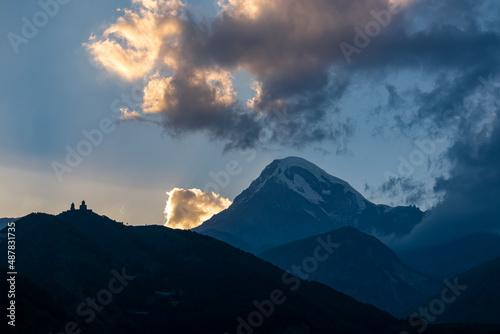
(35, 310)
(110, 278)
(84, 273)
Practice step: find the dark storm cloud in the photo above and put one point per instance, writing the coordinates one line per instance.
(294, 51)
(290, 47)
(472, 192)
(410, 191)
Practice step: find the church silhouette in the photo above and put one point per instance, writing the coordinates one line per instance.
(83, 207)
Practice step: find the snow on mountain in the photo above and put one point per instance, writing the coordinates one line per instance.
(307, 180)
(288, 172)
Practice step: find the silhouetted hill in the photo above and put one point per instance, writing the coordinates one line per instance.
(230, 239)
(82, 271)
(35, 310)
(362, 267)
(5, 221)
(180, 281)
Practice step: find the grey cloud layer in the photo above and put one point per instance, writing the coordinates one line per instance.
(291, 48)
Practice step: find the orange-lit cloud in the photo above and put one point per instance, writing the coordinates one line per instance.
(130, 48)
(126, 115)
(159, 95)
(149, 42)
(401, 2)
(187, 209)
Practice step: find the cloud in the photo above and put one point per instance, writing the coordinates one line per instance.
(410, 191)
(130, 47)
(462, 111)
(289, 47)
(127, 115)
(292, 50)
(187, 209)
(472, 191)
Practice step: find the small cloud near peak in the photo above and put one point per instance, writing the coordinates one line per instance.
(189, 208)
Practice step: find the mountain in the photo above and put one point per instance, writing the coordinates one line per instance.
(293, 199)
(109, 278)
(475, 299)
(451, 258)
(5, 221)
(361, 266)
(230, 239)
(84, 273)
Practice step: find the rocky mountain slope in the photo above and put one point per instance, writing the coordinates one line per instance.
(293, 199)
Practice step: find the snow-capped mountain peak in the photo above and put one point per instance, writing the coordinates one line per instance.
(304, 178)
(293, 198)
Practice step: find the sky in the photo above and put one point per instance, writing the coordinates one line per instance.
(122, 102)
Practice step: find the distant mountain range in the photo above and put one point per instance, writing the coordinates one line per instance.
(448, 259)
(361, 267)
(86, 272)
(468, 298)
(280, 216)
(293, 199)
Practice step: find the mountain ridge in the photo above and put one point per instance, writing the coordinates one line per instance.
(175, 277)
(293, 199)
(173, 280)
(362, 267)
(453, 257)
(472, 297)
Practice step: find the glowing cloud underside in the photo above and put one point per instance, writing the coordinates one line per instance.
(288, 47)
(187, 209)
(145, 41)
(401, 2)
